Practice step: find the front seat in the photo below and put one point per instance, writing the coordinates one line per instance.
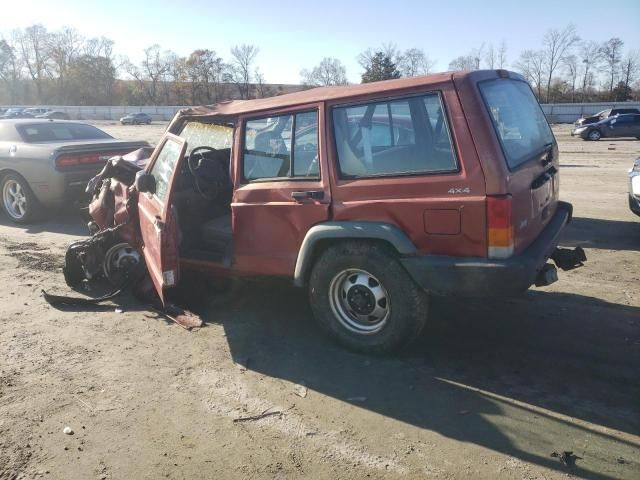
(217, 234)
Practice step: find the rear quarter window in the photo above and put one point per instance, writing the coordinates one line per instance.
(405, 136)
(517, 118)
(57, 132)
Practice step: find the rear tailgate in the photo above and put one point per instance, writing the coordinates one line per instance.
(517, 148)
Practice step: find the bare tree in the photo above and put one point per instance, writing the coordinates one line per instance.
(571, 64)
(531, 65)
(630, 68)
(612, 54)
(388, 50)
(464, 62)
(478, 54)
(502, 54)
(415, 62)
(491, 57)
(151, 71)
(262, 88)
(241, 67)
(590, 55)
(10, 67)
(32, 42)
(205, 70)
(330, 71)
(556, 46)
(64, 46)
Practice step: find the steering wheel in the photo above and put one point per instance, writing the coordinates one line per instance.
(205, 186)
(194, 163)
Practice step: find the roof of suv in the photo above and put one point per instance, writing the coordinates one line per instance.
(321, 94)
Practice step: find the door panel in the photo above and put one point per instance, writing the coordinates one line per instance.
(272, 216)
(158, 222)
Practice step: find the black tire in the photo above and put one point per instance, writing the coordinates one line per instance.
(594, 135)
(27, 211)
(332, 278)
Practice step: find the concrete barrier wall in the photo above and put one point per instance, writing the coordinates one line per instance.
(113, 112)
(555, 112)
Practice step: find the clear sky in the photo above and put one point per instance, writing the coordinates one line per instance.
(293, 35)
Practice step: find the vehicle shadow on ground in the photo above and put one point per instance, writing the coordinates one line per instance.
(602, 234)
(543, 356)
(70, 222)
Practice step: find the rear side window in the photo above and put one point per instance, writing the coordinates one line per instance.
(397, 137)
(281, 147)
(518, 120)
(55, 132)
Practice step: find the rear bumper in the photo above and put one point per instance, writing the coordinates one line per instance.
(461, 276)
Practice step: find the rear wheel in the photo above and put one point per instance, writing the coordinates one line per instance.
(595, 135)
(361, 295)
(17, 199)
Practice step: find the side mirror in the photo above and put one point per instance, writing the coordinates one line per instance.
(145, 182)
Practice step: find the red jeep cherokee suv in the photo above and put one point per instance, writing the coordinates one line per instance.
(372, 196)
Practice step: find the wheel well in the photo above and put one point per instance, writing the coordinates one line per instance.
(8, 171)
(323, 244)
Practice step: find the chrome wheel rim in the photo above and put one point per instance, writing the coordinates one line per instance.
(359, 301)
(15, 199)
(594, 135)
(119, 262)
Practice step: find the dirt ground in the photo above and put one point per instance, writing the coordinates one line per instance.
(490, 390)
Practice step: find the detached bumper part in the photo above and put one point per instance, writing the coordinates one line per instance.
(442, 275)
(547, 276)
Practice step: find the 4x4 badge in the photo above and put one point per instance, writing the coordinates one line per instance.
(454, 190)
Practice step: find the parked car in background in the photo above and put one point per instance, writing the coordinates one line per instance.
(54, 115)
(372, 197)
(634, 187)
(35, 111)
(46, 164)
(627, 125)
(136, 119)
(16, 113)
(603, 115)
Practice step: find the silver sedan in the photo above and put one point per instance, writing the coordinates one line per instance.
(47, 163)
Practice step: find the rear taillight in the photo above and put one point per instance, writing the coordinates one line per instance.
(499, 227)
(75, 159)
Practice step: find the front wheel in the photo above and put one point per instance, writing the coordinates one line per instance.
(595, 135)
(362, 296)
(17, 199)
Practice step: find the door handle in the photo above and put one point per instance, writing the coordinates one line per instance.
(308, 194)
(158, 223)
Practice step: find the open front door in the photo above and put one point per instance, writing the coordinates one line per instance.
(158, 222)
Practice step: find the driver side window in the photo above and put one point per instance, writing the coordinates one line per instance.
(281, 147)
(163, 167)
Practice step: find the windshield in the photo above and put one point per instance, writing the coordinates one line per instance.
(55, 132)
(198, 134)
(521, 127)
